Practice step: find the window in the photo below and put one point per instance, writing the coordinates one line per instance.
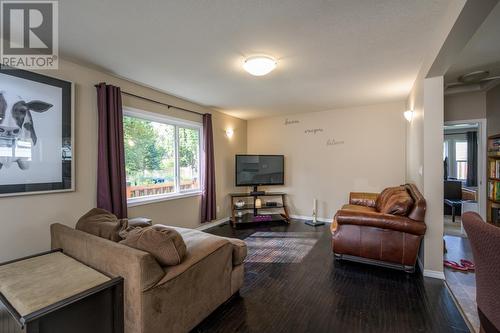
(461, 159)
(162, 156)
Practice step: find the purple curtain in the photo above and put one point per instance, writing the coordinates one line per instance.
(111, 187)
(208, 205)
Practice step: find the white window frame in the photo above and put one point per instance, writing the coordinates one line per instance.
(457, 161)
(168, 120)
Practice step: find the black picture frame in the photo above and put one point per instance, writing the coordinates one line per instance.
(67, 182)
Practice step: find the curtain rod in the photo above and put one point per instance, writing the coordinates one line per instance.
(158, 102)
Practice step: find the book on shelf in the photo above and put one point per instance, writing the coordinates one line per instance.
(494, 168)
(494, 145)
(494, 190)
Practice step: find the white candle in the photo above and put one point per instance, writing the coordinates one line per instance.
(314, 209)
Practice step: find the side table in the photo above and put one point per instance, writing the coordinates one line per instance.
(52, 292)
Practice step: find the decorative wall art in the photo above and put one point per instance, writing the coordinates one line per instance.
(36, 133)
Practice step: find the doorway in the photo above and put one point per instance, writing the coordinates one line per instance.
(464, 149)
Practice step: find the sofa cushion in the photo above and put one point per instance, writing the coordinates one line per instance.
(199, 246)
(99, 222)
(163, 243)
(398, 203)
(359, 208)
(239, 250)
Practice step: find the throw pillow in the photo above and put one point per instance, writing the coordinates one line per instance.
(101, 223)
(399, 203)
(163, 243)
(385, 195)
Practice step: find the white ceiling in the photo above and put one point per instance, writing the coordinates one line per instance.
(482, 52)
(332, 54)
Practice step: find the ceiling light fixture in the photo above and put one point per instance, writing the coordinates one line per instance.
(259, 65)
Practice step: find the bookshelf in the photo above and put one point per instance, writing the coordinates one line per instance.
(493, 205)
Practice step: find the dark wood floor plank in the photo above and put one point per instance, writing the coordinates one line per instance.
(320, 294)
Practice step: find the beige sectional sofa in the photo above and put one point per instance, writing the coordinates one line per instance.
(163, 299)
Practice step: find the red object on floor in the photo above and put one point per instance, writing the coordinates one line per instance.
(454, 265)
(468, 264)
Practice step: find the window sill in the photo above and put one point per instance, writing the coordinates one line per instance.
(153, 199)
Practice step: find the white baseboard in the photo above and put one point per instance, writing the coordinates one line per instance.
(320, 219)
(434, 274)
(209, 225)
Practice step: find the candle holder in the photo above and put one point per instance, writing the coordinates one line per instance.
(314, 221)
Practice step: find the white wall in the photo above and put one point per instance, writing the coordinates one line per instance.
(25, 220)
(425, 165)
(433, 173)
(371, 157)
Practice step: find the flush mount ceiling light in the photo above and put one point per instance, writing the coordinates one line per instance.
(259, 65)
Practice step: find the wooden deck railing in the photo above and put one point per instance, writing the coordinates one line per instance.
(157, 189)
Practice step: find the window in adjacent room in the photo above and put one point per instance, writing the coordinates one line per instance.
(162, 156)
(461, 159)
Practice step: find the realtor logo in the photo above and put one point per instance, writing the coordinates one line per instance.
(29, 34)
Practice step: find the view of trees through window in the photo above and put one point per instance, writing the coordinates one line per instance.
(152, 164)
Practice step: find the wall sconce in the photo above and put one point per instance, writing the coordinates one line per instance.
(229, 133)
(408, 115)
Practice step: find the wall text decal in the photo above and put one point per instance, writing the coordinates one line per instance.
(333, 142)
(313, 131)
(291, 122)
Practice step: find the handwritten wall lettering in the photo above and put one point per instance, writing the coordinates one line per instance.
(313, 131)
(333, 142)
(291, 122)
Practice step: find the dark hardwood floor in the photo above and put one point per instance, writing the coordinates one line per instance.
(322, 295)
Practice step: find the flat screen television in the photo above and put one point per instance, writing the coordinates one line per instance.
(257, 170)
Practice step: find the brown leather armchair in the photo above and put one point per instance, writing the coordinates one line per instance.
(384, 229)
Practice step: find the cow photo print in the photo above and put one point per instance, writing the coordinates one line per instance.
(30, 131)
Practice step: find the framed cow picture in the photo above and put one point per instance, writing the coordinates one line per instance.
(36, 133)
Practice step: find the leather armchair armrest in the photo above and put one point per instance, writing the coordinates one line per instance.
(379, 220)
(363, 199)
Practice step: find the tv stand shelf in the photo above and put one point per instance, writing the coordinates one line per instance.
(254, 216)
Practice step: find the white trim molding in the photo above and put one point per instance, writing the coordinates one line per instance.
(209, 225)
(434, 274)
(163, 197)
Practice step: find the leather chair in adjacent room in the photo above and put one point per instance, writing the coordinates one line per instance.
(485, 243)
(384, 229)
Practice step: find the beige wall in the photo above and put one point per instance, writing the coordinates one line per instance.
(493, 111)
(371, 158)
(26, 220)
(424, 164)
(465, 106)
(433, 173)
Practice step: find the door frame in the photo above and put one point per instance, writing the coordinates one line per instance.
(481, 159)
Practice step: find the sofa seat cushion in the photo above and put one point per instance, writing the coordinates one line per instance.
(99, 222)
(359, 208)
(165, 244)
(198, 246)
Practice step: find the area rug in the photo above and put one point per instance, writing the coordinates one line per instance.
(280, 247)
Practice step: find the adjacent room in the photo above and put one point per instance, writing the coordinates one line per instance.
(249, 166)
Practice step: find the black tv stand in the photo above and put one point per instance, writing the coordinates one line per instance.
(257, 192)
(250, 213)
